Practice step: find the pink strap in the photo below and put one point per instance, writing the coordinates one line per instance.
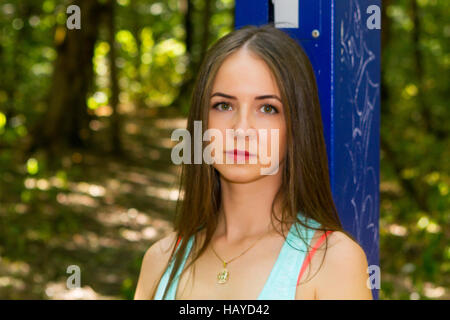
(311, 253)
(178, 241)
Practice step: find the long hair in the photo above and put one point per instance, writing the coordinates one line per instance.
(305, 183)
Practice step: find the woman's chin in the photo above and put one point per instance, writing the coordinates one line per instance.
(240, 173)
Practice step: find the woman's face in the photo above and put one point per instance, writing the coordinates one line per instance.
(245, 96)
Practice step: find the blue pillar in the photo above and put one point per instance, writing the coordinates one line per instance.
(345, 55)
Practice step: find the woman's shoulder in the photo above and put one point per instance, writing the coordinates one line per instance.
(342, 247)
(161, 249)
(153, 265)
(340, 271)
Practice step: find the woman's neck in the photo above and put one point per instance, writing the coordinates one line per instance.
(246, 208)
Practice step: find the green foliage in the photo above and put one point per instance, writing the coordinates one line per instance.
(415, 178)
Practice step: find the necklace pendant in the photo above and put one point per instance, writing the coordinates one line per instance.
(222, 276)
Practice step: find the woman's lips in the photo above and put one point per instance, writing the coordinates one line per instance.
(239, 154)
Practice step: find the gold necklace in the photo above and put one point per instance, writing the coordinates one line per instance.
(224, 275)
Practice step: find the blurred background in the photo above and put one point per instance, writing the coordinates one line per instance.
(85, 124)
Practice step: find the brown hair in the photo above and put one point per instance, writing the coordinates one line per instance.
(305, 184)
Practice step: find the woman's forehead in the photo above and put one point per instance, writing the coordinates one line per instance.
(245, 73)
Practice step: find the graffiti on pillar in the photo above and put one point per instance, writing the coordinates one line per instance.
(362, 93)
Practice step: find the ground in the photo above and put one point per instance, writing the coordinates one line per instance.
(99, 212)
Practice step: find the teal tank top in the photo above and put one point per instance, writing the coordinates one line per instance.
(282, 281)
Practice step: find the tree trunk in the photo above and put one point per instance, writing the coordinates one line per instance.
(207, 13)
(114, 100)
(194, 62)
(424, 106)
(139, 98)
(391, 156)
(187, 7)
(66, 121)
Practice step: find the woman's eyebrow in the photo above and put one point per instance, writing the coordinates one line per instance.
(267, 96)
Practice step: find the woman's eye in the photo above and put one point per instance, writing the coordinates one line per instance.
(222, 106)
(267, 108)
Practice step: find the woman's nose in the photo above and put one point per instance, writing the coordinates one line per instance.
(244, 130)
(243, 120)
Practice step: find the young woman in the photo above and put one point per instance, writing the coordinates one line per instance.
(241, 234)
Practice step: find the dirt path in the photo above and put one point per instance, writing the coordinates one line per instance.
(109, 212)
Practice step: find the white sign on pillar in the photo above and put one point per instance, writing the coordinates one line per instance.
(285, 13)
